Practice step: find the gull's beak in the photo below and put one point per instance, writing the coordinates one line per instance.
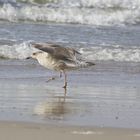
(28, 57)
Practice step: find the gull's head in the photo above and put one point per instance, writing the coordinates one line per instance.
(35, 55)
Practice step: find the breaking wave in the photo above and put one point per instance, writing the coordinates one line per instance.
(16, 51)
(121, 54)
(92, 12)
(99, 53)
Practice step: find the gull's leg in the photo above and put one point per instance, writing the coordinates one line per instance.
(60, 75)
(65, 80)
(65, 93)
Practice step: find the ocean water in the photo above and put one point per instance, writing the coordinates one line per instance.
(101, 30)
(106, 32)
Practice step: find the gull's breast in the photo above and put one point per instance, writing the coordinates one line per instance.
(47, 62)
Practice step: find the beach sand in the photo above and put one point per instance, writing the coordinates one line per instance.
(101, 102)
(28, 131)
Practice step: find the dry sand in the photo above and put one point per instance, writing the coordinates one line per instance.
(28, 131)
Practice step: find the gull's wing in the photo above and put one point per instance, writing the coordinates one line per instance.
(58, 51)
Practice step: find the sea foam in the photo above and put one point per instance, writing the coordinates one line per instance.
(16, 51)
(93, 12)
(112, 54)
(96, 53)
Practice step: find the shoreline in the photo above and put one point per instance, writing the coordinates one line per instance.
(35, 131)
(102, 96)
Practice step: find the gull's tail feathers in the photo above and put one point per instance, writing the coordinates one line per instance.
(85, 64)
(90, 63)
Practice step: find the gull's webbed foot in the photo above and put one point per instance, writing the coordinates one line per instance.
(50, 79)
(65, 86)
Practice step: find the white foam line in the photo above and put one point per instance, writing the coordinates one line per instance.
(137, 135)
(87, 132)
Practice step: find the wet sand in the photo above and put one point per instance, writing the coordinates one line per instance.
(100, 102)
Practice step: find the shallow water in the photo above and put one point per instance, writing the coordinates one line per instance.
(94, 42)
(106, 95)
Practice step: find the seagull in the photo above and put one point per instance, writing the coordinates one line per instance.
(59, 58)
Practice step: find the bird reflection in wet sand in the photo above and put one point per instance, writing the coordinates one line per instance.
(54, 109)
(59, 58)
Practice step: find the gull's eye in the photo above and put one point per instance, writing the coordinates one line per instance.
(34, 53)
